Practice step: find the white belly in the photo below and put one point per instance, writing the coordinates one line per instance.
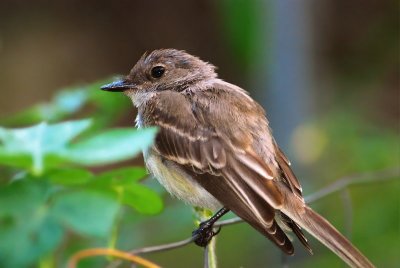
(178, 183)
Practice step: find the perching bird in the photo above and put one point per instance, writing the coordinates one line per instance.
(214, 149)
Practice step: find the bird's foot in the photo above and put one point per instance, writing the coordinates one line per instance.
(205, 233)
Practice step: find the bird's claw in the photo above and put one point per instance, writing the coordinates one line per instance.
(204, 234)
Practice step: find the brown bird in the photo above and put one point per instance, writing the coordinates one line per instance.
(215, 150)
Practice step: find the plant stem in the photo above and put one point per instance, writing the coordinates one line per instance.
(210, 258)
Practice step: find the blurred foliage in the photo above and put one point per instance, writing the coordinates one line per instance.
(48, 188)
(242, 27)
(361, 145)
(83, 101)
(342, 144)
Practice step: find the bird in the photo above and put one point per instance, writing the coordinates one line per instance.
(214, 149)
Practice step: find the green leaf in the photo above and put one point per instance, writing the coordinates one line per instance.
(27, 232)
(111, 146)
(69, 176)
(142, 198)
(108, 106)
(28, 147)
(124, 182)
(21, 198)
(86, 212)
(64, 103)
(112, 104)
(26, 241)
(68, 101)
(120, 177)
(42, 146)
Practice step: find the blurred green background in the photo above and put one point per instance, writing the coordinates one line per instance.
(327, 73)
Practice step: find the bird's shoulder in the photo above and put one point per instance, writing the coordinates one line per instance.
(221, 108)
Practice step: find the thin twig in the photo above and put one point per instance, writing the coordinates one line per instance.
(206, 257)
(228, 222)
(164, 247)
(73, 261)
(352, 180)
(348, 212)
(210, 256)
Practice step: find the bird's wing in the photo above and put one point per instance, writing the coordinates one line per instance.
(287, 174)
(223, 163)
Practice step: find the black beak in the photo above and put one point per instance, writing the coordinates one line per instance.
(118, 86)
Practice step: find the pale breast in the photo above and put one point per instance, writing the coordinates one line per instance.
(178, 183)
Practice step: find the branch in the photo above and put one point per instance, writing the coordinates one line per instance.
(164, 247)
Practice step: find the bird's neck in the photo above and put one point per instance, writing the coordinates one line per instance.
(139, 98)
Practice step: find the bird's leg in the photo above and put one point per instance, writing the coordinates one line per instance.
(205, 231)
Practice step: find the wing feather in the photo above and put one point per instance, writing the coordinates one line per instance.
(245, 203)
(288, 175)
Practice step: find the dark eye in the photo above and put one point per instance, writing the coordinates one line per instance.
(157, 71)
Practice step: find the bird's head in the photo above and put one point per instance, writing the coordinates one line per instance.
(163, 69)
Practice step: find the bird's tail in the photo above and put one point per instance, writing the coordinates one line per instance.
(321, 229)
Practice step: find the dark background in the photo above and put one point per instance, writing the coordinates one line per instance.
(327, 73)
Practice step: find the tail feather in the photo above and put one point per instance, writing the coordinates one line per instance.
(296, 229)
(321, 229)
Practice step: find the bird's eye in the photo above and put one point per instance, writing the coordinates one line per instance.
(157, 71)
